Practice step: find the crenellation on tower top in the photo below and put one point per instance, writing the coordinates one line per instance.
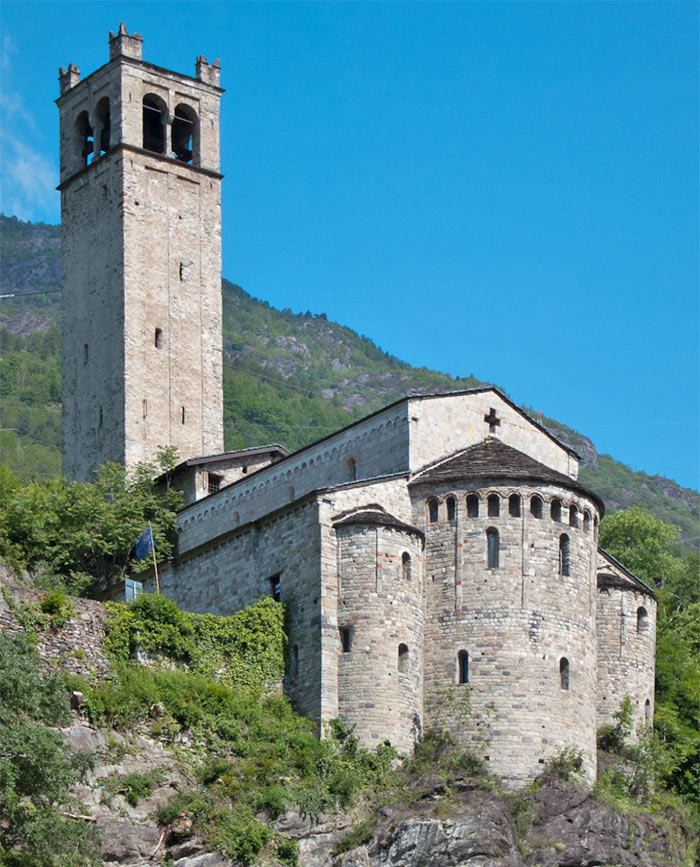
(122, 44)
(68, 78)
(209, 73)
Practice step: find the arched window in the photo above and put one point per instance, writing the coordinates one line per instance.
(83, 138)
(564, 568)
(154, 119)
(351, 464)
(514, 505)
(555, 510)
(103, 124)
(345, 638)
(472, 505)
(564, 673)
(403, 658)
(184, 134)
(647, 712)
(586, 521)
(492, 553)
(642, 619)
(494, 505)
(536, 506)
(406, 566)
(462, 667)
(451, 508)
(432, 510)
(573, 515)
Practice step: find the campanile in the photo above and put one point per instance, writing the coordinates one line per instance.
(141, 256)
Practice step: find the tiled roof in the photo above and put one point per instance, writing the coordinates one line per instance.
(492, 459)
(374, 515)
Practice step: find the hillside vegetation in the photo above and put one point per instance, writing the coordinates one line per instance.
(288, 378)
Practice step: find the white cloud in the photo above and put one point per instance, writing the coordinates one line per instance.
(27, 181)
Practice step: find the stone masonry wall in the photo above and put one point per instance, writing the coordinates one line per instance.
(380, 676)
(516, 622)
(75, 647)
(625, 654)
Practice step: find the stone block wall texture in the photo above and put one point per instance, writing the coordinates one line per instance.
(141, 258)
(75, 647)
(516, 622)
(626, 651)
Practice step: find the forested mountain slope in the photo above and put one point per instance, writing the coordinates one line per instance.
(288, 378)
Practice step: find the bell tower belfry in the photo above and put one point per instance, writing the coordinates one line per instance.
(141, 256)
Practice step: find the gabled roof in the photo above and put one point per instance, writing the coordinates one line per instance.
(628, 579)
(224, 456)
(373, 514)
(492, 459)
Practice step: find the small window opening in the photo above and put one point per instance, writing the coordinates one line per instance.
(642, 619)
(647, 712)
(514, 505)
(432, 510)
(85, 354)
(492, 552)
(158, 338)
(406, 566)
(555, 510)
(472, 506)
(586, 522)
(244, 470)
(144, 408)
(275, 587)
(573, 516)
(352, 469)
(182, 415)
(290, 493)
(463, 666)
(494, 505)
(214, 482)
(564, 673)
(153, 124)
(403, 658)
(183, 132)
(346, 638)
(564, 554)
(536, 506)
(294, 661)
(99, 421)
(103, 123)
(182, 271)
(451, 508)
(84, 141)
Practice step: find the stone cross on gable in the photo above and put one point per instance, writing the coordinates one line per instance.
(493, 420)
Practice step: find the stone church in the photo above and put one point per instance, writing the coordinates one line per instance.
(438, 558)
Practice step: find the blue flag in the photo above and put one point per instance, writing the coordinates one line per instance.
(144, 544)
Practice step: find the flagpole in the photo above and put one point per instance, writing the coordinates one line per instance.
(155, 564)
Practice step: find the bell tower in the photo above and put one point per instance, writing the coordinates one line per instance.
(141, 255)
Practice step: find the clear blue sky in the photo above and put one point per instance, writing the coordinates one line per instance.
(504, 189)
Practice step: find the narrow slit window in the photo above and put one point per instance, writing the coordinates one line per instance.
(99, 421)
(472, 505)
(494, 505)
(432, 510)
(573, 515)
(346, 639)
(492, 548)
(555, 510)
(352, 469)
(536, 506)
(86, 353)
(514, 505)
(586, 522)
(406, 566)
(182, 414)
(642, 619)
(144, 408)
(275, 587)
(403, 658)
(564, 566)
(463, 666)
(158, 338)
(647, 712)
(564, 673)
(451, 508)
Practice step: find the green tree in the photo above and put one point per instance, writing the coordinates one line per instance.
(83, 535)
(38, 827)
